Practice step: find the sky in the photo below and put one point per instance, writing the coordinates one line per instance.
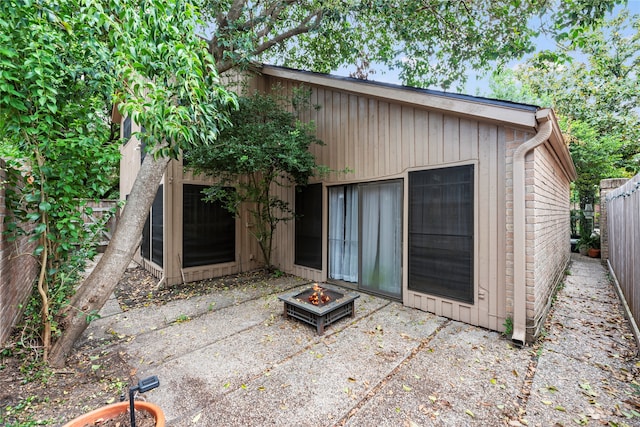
(477, 85)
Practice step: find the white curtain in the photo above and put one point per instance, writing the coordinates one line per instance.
(382, 237)
(343, 233)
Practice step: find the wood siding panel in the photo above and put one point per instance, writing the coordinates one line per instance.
(372, 144)
(417, 136)
(363, 138)
(490, 220)
(435, 139)
(352, 133)
(451, 139)
(468, 139)
(383, 140)
(396, 144)
(409, 136)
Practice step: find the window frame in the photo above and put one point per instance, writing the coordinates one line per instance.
(451, 274)
(214, 235)
(314, 224)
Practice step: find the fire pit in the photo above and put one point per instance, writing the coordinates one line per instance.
(319, 306)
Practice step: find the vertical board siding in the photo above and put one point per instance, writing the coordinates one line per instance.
(451, 139)
(623, 227)
(382, 140)
(379, 140)
(435, 140)
(421, 119)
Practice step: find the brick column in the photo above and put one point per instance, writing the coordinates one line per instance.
(606, 186)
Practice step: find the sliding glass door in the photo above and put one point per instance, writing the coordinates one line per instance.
(381, 237)
(343, 233)
(365, 236)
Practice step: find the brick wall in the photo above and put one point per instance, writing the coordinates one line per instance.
(17, 271)
(547, 228)
(513, 139)
(548, 232)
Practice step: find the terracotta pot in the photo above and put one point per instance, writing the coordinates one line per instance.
(594, 253)
(111, 411)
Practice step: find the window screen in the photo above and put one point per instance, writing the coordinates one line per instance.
(441, 232)
(308, 226)
(126, 129)
(209, 230)
(152, 233)
(143, 144)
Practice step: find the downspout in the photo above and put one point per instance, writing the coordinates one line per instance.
(519, 230)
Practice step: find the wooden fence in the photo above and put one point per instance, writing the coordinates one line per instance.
(102, 212)
(623, 229)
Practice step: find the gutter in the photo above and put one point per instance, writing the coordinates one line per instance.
(519, 227)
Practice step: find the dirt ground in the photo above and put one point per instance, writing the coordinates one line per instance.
(95, 374)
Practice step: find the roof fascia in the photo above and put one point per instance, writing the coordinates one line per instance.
(557, 142)
(475, 109)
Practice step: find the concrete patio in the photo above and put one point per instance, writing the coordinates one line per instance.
(230, 358)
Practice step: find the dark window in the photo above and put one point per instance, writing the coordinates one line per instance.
(441, 232)
(152, 233)
(143, 145)
(126, 129)
(209, 230)
(308, 226)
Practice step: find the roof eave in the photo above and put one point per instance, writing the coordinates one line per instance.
(557, 143)
(470, 108)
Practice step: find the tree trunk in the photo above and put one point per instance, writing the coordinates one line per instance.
(95, 290)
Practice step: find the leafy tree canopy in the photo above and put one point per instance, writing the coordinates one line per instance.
(596, 91)
(62, 67)
(55, 86)
(430, 42)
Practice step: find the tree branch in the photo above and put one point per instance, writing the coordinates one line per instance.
(308, 24)
(305, 26)
(273, 12)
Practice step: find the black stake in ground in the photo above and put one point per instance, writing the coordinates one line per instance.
(143, 386)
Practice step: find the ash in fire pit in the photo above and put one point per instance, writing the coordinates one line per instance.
(319, 305)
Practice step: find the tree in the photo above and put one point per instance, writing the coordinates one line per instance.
(431, 42)
(161, 76)
(266, 145)
(596, 91)
(54, 89)
(164, 82)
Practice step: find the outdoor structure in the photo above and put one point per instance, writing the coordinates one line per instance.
(456, 205)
